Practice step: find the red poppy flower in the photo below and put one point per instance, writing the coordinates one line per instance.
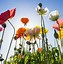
(4, 16)
(12, 12)
(20, 32)
(24, 20)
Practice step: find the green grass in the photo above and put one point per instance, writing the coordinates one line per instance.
(62, 59)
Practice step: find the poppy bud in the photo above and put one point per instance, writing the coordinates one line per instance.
(35, 42)
(55, 34)
(4, 25)
(28, 42)
(1, 59)
(15, 38)
(40, 4)
(19, 51)
(29, 49)
(15, 48)
(23, 52)
(29, 60)
(20, 44)
(20, 48)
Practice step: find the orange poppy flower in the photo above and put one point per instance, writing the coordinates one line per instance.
(40, 49)
(24, 20)
(20, 32)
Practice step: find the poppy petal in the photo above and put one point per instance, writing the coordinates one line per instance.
(24, 20)
(20, 32)
(4, 16)
(12, 12)
(55, 26)
(60, 22)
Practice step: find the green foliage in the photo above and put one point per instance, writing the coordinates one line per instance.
(44, 57)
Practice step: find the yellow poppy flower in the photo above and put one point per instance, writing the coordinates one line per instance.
(32, 33)
(27, 38)
(27, 28)
(46, 31)
(60, 33)
(37, 26)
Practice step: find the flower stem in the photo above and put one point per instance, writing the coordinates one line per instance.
(16, 44)
(59, 29)
(59, 50)
(44, 39)
(42, 32)
(2, 38)
(11, 40)
(3, 34)
(60, 40)
(20, 40)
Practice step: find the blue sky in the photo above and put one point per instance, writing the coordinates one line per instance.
(26, 8)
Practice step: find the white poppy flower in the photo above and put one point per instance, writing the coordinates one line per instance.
(42, 11)
(54, 15)
(47, 11)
